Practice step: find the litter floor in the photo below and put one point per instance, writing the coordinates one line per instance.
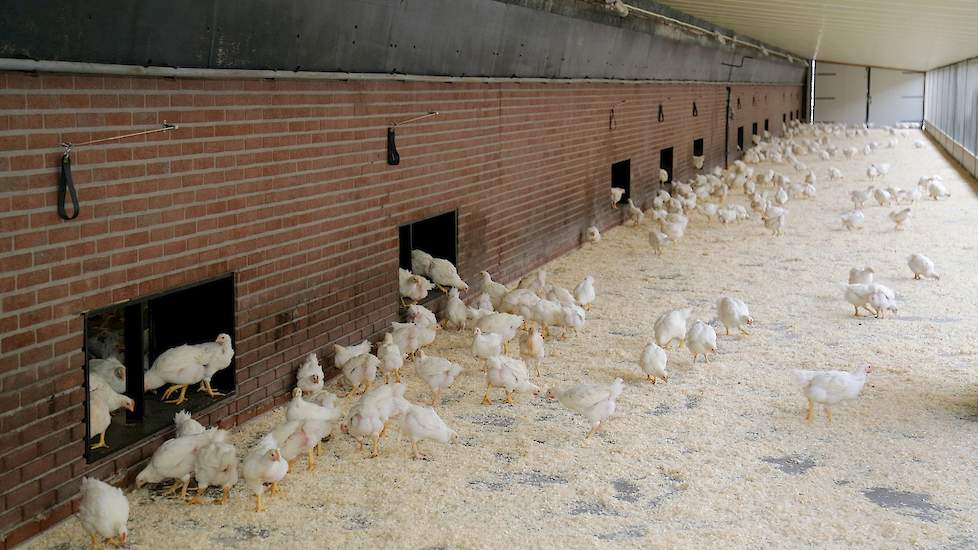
(720, 456)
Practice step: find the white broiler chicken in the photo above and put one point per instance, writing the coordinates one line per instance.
(444, 275)
(900, 217)
(297, 437)
(420, 262)
(657, 240)
(573, 318)
(862, 276)
(859, 197)
(674, 228)
(835, 174)
(310, 378)
(175, 459)
(853, 220)
(437, 372)
(882, 196)
(217, 465)
(708, 209)
(533, 349)
(859, 296)
(486, 345)
(371, 416)
(616, 194)
(103, 512)
(561, 295)
(300, 409)
(883, 300)
(922, 267)
(184, 365)
(829, 388)
(733, 313)
(670, 326)
(653, 362)
(592, 235)
(263, 465)
(111, 370)
(663, 176)
(360, 372)
(186, 425)
(504, 324)
(343, 354)
(774, 219)
(102, 403)
(701, 340)
(508, 373)
(545, 314)
(413, 287)
(423, 424)
(937, 191)
(391, 358)
(634, 214)
(596, 402)
(535, 282)
(496, 291)
(519, 302)
(421, 315)
(584, 293)
(455, 312)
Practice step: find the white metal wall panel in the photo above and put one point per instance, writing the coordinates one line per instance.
(895, 96)
(840, 93)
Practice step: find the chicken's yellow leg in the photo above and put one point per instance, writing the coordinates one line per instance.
(594, 429)
(183, 490)
(101, 442)
(274, 487)
(183, 394)
(205, 386)
(828, 413)
(258, 506)
(224, 498)
(509, 397)
(485, 398)
(811, 411)
(397, 375)
(95, 542)
(375, 448)
(200, 491)
(311, 459)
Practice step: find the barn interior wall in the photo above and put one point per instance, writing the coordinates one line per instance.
(951, 110)
(284, 184)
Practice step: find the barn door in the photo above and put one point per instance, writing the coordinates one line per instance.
(895, 96)
(840, 93)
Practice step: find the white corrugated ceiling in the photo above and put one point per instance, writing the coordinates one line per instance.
(902, 34)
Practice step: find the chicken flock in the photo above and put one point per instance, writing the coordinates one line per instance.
(512, 329)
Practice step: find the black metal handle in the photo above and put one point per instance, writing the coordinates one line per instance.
(695, 110)
(392, 157)
(66, 187)
(662, 115)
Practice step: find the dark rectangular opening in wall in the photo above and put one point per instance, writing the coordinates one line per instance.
(740, 138)
(665, 163)
(621, 176)
(798, 114)
(437, 235)
(753, 129)
(698, 147)
(123, 341)
(767, 127)
(791, 115)
(784, 118)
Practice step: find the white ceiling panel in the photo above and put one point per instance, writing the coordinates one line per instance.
(902, 34)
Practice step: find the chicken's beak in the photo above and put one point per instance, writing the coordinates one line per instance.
(131, 406)
(315, 379)
(276, 456)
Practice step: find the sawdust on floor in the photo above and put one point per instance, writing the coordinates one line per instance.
(719, 456)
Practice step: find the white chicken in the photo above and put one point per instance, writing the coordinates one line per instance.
(455, 312)
(937, 191)
(616, 194)
(186, 425)
(774, 219)
(882, 196)
(657, 240)
(310, 378)
(508, 373)
(370, 416)
(495, 290)
(829, 388)
(424, 424)
(733, 313)
(584, 293)
(596, 402)
(900, 217)
(701, 340)
(853, 220)
(297, 437)
(663, 176)
(343, 354)
(184, 365)
(859, 197)
(420, 262)
(504, 324)
(532, 348)
(486, 345)
(592, 235)
(103, 401)
(300, 409)
(103, 512)
(217, 465)
(653, 362)
(519, 302)
(634, 214)
(175, 459)
(862, 276)
(922, 267)
(444, 275)
(263, 465)
(670, 326)
(112, 370)
(859, 296)
(360, 372)
(413, 287)
(391, 358)
(438, 373)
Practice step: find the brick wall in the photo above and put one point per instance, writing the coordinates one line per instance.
(285, 184)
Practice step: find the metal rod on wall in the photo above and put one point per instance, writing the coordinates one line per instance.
(166, 126)
(612, 123)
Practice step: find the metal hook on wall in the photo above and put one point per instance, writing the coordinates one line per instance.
(612, 123)
(661, 116)
(695, 110)
(393, 158)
